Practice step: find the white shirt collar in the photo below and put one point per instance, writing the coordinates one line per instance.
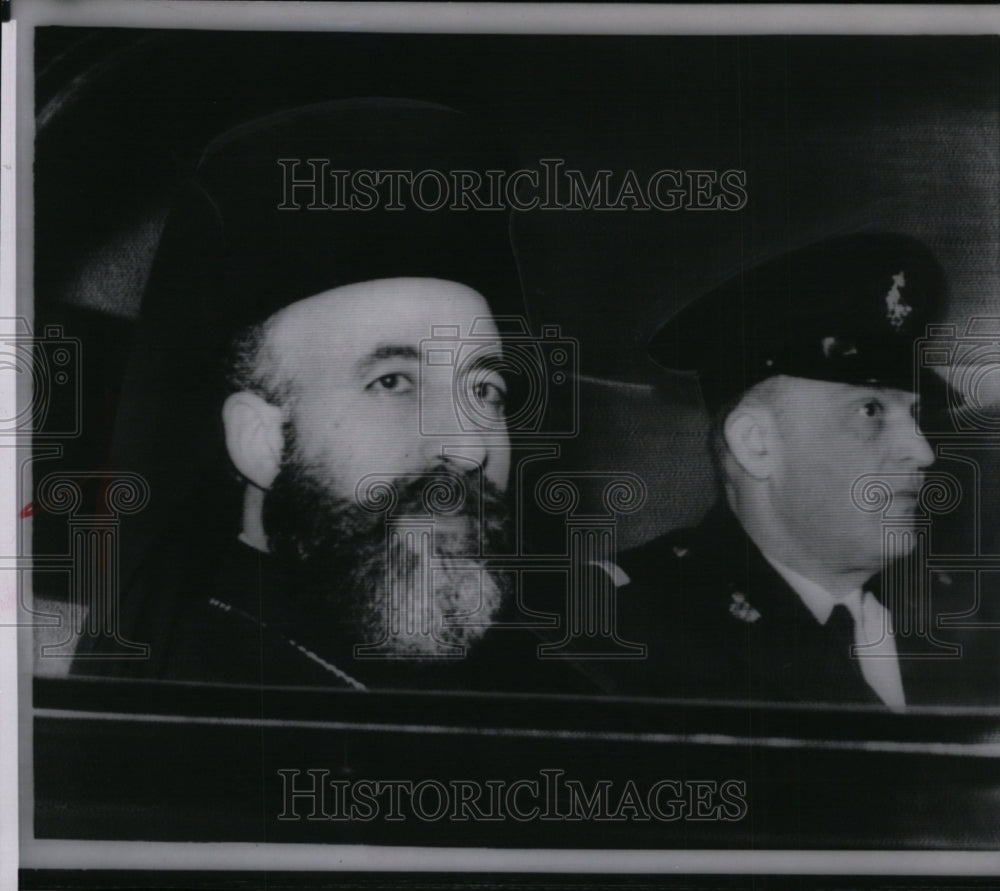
(872, 632)
(819, 601)
(243, 537)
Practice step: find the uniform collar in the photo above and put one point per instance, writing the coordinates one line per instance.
(817, 599)
(804, 601)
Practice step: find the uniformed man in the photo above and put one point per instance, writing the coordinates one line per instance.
(807, 364)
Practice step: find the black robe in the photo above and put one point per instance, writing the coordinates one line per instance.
(249, 628)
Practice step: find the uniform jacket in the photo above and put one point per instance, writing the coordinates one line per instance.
(718, 621)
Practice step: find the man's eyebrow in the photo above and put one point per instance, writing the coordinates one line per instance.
(483, 360)
(388, 351)
(912, 399)
(493, 361)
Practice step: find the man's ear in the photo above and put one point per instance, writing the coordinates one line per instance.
(254, 437)
(750, 435)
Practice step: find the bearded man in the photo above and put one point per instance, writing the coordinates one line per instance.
(321, 427)
(371, 461)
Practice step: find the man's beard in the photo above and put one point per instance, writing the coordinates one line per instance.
(361, 574)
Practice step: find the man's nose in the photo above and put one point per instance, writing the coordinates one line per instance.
(913, 447)
(445, 434)
(466, 452)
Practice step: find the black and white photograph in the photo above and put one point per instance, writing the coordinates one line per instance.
(457, 444)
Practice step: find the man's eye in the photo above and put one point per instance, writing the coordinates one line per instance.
(872, 409)
(392, 383)
(491, 395)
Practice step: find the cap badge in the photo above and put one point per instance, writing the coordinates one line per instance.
(896, 308)
(742, 610)
(839, 347)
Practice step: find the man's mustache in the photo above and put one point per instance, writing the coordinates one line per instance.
(301, 513)
(440, 491)
(341, 557)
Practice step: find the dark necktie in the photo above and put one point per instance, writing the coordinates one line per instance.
(877, 673)
(840, 627)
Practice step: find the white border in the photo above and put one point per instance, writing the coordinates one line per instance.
(520, 18)
(414, 18)
(11, 176)
(315, 858)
